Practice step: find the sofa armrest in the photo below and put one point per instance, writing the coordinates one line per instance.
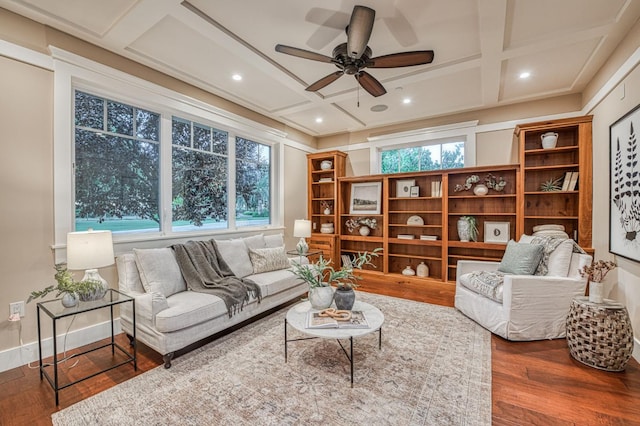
(466, 266)
(542, 295)
(147, 307)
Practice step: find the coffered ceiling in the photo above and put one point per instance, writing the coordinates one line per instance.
(481, 48)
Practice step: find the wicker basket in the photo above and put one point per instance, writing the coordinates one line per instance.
(599, 334)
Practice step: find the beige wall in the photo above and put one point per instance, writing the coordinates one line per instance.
(295, 194)
(26, 190)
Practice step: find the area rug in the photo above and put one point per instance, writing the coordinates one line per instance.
(434, 368)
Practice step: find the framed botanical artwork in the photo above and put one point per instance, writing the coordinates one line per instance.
(624, 186)
(365, 198)
(496, 232)
(403, 187)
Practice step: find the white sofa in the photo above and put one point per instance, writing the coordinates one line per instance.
(524, 307)
(169, 317)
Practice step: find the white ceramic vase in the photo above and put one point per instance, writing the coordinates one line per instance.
(364, 231)
(321, 297)
(464, 230)
(596, 292)
(480, 189)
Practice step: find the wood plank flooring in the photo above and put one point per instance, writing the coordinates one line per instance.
(533, 383)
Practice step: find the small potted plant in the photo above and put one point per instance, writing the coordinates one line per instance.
(595, 274)
(69, 289)
(321, 275)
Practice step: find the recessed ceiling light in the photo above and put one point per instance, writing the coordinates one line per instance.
(525, 74)
(319, 120)
(236, 77)
(406, 101)
(379, 108)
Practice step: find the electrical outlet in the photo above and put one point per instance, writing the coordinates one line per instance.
(16, 308)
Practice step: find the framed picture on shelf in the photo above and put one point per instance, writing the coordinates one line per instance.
(414, 191)
(496, 232)
(365, 198)
(403, 187)
(624, 186)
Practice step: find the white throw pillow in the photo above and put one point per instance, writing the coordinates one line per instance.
(268, 259)
(159, 271)
(235, 254)
(559, 259)
(255, 242)
(276, 240)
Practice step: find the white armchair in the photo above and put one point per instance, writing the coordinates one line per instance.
(531, 308)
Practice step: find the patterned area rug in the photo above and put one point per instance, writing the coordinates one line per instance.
(434, 369)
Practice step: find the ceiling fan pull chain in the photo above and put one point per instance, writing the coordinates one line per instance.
(358, 89)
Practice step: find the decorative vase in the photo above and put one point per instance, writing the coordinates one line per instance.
(464, 230)
(321, 297)
(364, 231)
(408, 271)
(344, 298)
(422, 270)
(596, 292)
(549, 140)
(480, 189)
(95, 294)
(327, 211)
(69, 300)
(326, 165)
(326, 228)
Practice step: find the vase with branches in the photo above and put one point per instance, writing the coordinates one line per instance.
(595, 274)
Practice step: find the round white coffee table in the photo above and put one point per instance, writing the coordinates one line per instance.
(297, 318)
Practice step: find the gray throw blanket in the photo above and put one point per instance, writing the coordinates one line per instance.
(549, 244)
(205, 271)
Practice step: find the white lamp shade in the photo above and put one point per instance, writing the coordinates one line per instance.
(302, 228)
(89, 250)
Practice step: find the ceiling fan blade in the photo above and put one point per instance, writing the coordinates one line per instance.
(402, 59)
(324, 81)
(301, 53)
(370, 84)
(359, 30)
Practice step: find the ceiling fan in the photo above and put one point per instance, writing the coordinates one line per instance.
(354, 55)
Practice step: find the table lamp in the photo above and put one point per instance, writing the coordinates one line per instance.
(90, 250)
(302, 229)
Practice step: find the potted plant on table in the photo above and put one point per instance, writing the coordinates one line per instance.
(320, 276)
(70, 289)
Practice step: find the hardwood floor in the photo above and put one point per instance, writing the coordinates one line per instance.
(533, 383)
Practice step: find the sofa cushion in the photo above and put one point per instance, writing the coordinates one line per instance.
(274, 282)
(128, 274)
(234, 253)
(255, 242)
(276, 240)
(189, 308)
(520, 258)
(559, 259)
(159, 271)
(268, 259)
(486, 283)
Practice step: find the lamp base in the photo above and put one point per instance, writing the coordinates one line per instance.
(97, 293)
(302, 247)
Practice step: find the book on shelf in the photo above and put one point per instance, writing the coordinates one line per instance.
(428, 237)
(325, 179)
(566, 181)
(436, 189)
(357, 320)
(573, 184)
(406, 237)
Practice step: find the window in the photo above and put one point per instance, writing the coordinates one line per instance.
(200, 175)
(426, 157)
(253, 182)
(117, 163)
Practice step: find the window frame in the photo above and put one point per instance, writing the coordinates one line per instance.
(72, 72)
(460, 132)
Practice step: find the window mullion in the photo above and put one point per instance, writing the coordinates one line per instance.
(231, 182)
(166, 167)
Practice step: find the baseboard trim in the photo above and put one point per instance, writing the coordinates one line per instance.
(28, 352)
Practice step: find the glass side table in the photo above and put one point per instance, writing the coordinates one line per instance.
(54, 310)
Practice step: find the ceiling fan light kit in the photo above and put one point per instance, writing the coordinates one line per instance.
(354, 55)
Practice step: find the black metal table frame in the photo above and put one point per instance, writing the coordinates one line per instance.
(130, 357)
(348, 355)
